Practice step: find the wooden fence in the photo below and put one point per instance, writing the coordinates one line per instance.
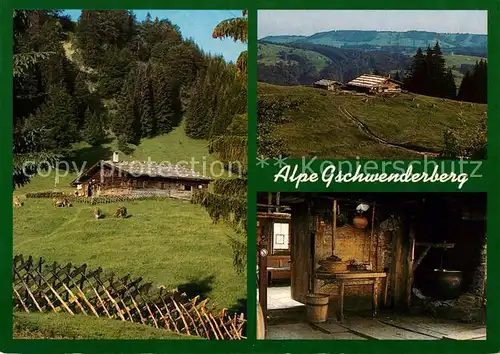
(106, 199)
(42, 287)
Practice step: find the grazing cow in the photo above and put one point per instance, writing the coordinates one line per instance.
(61, 202)
(121, 212)
(97, 213)
(17, 202)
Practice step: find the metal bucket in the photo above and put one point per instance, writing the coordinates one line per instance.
(317, 307)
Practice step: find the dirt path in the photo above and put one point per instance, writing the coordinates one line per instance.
(365, 130)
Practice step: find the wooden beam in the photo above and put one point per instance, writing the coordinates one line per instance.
(334, 225)
(263, 280)
(436, 245)
(371, 235)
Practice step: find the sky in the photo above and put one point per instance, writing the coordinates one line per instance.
(308, 22)
(195, 24)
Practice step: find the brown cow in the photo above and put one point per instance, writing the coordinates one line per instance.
(17, 202)
(97, 213)
(61, 202)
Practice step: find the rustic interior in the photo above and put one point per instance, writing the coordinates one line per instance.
(406, 237)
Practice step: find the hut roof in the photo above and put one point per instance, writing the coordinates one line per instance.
(370, 81)
(325, 82)
(148, 169)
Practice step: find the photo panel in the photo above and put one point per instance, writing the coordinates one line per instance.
(372, 266)
(372, 84)
(129, 139)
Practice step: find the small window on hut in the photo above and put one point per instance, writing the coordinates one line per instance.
(280, 236)
(187, 188)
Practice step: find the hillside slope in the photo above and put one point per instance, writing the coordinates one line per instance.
(347, 126)
(169, 242)
(65, 326)
(341, 64)
(270, 54)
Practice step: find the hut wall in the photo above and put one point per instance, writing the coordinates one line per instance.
(352, 244)
(113, 182)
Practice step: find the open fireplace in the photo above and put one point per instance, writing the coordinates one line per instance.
(450, 257)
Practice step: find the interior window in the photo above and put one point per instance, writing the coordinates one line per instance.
(280, 236)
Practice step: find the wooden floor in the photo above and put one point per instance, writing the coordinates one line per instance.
(359, 326)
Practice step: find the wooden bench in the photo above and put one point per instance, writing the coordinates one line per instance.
(278, 267)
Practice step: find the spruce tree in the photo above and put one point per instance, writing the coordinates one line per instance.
(114, 67)
(81, 96)
(57, 117)
(416, 80)
(93, 131)
(449, 86)
(473, 87)
(29, 154)
(126, 122)
(100, 30)
(145, 102)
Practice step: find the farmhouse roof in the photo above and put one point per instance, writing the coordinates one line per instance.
(325, 82)
(147, 169)
(370, 81)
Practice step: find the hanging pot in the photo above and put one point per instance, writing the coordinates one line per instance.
(360, 221)
(441, 284)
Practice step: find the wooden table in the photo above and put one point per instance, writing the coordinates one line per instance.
(354, 278)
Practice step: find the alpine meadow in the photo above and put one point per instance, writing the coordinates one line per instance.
(130, 174)
(345, 93)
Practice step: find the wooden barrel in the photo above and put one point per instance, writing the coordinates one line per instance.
(261, 323)
(317, 307)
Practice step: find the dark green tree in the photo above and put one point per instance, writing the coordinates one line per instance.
(126, 122)
(429, 75)
(417, 77)
(100, 30)
(57, 117)
(143, 95)
(29, 154)
(93, 131)
(473, 87)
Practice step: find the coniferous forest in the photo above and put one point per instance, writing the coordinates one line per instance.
(426, 72)
(429, 76)
(109, 75)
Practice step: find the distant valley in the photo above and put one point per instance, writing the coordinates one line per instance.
(395, 42)
(344, 55)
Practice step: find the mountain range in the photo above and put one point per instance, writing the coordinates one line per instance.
(400, 42)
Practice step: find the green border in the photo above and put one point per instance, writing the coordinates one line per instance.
(260, 180)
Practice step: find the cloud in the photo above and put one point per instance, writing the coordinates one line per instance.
(308, 22)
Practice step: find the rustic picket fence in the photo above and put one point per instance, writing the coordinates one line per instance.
(42, 287)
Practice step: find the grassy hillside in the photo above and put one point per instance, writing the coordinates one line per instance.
(65, 326)
(325, 125)
(319, 57)
(268, 55)
(168, 242)
(174, 147)
(455, 61)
